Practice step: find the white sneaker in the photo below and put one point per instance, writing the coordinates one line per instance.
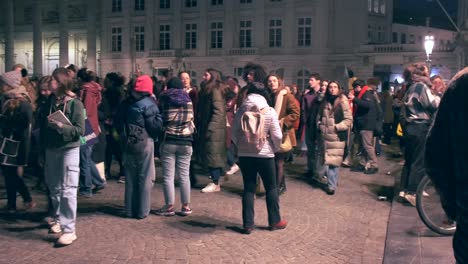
(66, 239)
(55, 228)
(233, 169)
(411, 198)
(211, 187)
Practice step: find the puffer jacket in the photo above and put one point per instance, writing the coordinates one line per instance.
(334, 122)
(140, 110)
(271, 127)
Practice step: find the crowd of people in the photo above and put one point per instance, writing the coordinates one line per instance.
(75, 123)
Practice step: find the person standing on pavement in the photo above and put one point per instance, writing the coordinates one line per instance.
(193, 94)
(419, 108)
(15, 124)
(311, 101)
(90, 95)
(335, 119)
(176, 148)
(446, 159)
(288, 112)
(211, 128)
(260, 162)
(61, 141)
(139, 123)
(365, 122)
(388, 117)
(231, 108)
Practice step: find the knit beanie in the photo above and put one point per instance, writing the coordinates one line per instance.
(174, 83)
(144, 84)
(12, 78)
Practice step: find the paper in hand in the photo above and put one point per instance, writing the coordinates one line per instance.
(59, 116)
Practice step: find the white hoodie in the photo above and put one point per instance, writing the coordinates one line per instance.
(273, 129)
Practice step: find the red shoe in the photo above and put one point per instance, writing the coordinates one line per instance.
(280, 225)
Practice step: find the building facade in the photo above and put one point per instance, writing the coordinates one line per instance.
(291, 37)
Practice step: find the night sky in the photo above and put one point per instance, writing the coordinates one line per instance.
(414, 12)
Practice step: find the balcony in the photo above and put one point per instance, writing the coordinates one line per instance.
(242, 51)
(161, 53)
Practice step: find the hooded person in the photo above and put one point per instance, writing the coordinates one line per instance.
(139, 123)
(176, 148)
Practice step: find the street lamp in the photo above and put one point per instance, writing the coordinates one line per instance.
(429, 46)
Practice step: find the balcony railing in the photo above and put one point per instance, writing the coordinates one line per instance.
(242, 51)
(396, 48)
(162, 53)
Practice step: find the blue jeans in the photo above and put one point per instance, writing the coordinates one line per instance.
(86, 179)
(332, 175)
(231, 156)
(175, 159)
(139, 175)
(62, 172)
(215, 174)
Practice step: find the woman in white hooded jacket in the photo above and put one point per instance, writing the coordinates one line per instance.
(262, 162)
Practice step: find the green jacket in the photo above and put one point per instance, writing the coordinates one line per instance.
(69, 135)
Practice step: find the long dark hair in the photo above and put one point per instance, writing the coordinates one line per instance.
(213, 83)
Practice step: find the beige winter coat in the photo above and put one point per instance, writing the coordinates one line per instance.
(335, 122)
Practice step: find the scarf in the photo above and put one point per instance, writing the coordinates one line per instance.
(175, 97)
(360, 95)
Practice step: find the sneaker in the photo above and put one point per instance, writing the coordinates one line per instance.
(185, 211)
(165, 211)
(329, 190)
(233, 169)
(425, 194)
(66, 239)
(411, 198)
(280, 225)
(55, 228)
(211, 187)
(121, 179)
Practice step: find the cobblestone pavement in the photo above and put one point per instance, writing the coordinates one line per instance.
(349, 227)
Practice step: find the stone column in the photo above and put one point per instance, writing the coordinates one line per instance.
(9, 36)
(91, 36)
(37, 38)
(63, 32)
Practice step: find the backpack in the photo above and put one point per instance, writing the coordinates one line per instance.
(252, 130)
